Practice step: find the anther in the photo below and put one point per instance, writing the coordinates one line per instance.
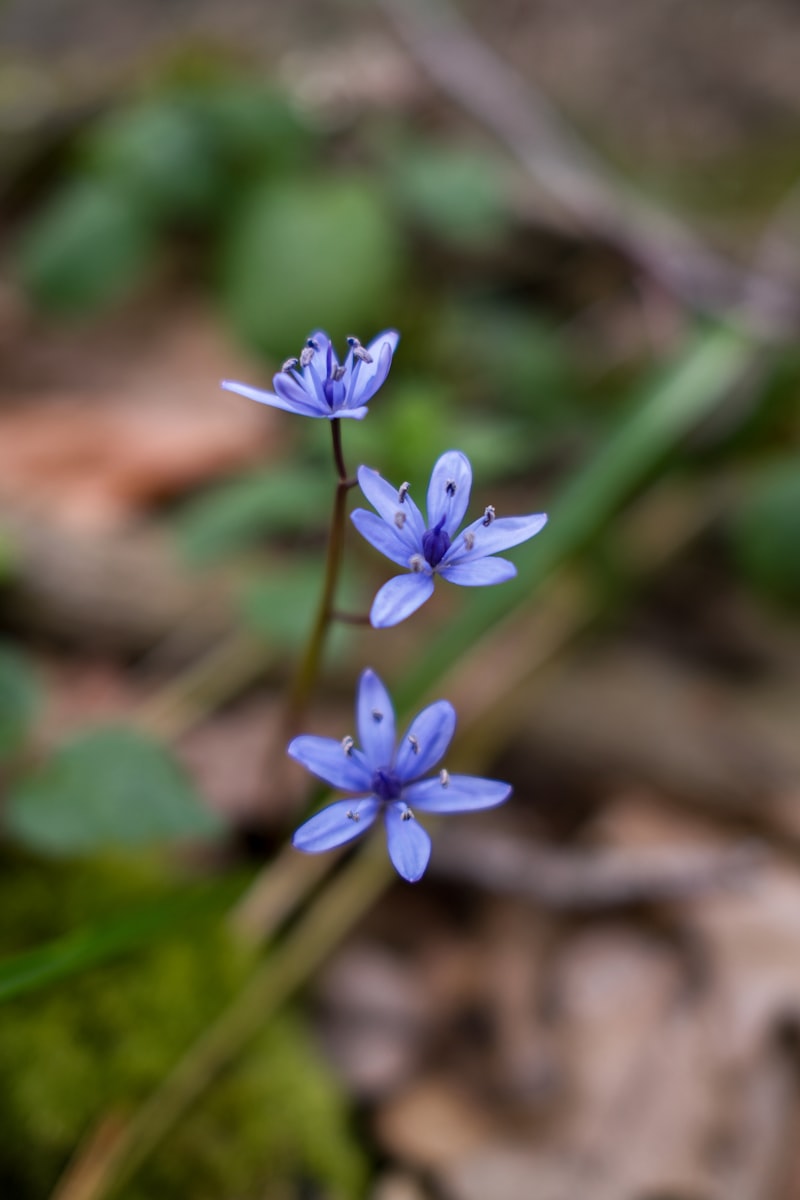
(307, 354)
(377, 715)
(414, 743)
(358, 350)
(403, 491)
(289, 364)
(450, 487)
(488, 514)
(469, 540)
(338, 373)
(347, 745)
(444, 778)
(399, 519)
(407, 815)
(353, 816)
(417, 563)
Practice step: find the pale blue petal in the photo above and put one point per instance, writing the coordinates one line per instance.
(385, 499)
(375, 721)
(320, 360)
(452, 468)
(481, 573)
(372, 375)
(409, 844)
(426, 740)
(289, 387)
(313, 384)
(380, 535)
(331, 761)
(463, 793)
(332, 827)
(304, 407)
(500, 535)
(357, 414)
(399, 598)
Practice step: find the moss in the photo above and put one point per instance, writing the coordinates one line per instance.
(97, 1044)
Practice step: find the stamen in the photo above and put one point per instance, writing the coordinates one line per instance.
(450, 487)
(414, 741)
(417, 563)
(469, 540)
(347, 745)
(307, 354)
(289, 364)
(488, 514)
(358, 350)
(403, 492)
(338, 374)
(399, 519)
(407, 815)
(444, 778)
(353, 815)
(377, 715)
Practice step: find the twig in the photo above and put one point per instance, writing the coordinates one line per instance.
(582, 187)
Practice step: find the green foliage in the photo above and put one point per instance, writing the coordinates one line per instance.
(74, 1054)
(300, 249)
(108, 787)
(85, 248)
(458, 195)
(160, 155)
(766, 530)
(235, 515)
(280, 605)
(19, 699)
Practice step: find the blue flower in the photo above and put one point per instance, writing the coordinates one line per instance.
(316, 385)
(400, 533)
(388, 779)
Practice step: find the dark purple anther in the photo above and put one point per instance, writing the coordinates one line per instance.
(435, 543)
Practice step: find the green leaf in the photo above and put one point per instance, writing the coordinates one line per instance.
(766, 530)
(459, 195)
(19, 698)
(108, 787)
(87, 248)
(161, 155)
(279, 500)
(281, 606)
(310, 253)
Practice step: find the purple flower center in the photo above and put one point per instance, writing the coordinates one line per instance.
(435, 543)
(386, 785)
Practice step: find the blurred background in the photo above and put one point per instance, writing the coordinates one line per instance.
(584, 219)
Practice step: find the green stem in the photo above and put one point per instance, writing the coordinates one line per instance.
(309, 666)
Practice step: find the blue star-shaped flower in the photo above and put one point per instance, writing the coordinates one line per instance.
(317, 385)
(389, 779)
(400, 532)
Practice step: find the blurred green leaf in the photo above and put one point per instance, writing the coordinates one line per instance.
(280, 500)
(108, 787)
(19, 698)
(108, 938)
(766, 530)
(86, 248)
(253, 125)
(459, 195)
(281, 604)
(309, 253)
(161, 156)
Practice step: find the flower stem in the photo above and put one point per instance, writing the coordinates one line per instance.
(310, 663)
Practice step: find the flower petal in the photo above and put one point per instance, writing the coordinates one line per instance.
(322, 354)
(381, 535)
(357, 414)
(372, 375)
(500, 535)
(386, 500)
(399, 598)
(461, 793)
(409, 844)
(332, 827)
(426, 740)
(332, 761)
(479, 573)
(304, 407)
(448, 490)
(375, 721)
